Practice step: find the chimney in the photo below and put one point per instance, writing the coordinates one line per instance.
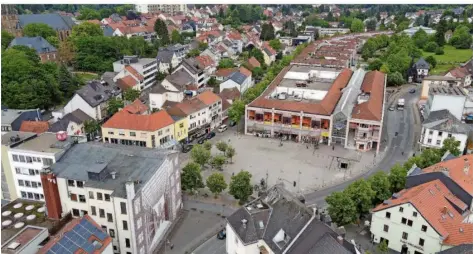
(113, 173)
(244, 222)
(51, 193)
(340, 239)
(444, 210)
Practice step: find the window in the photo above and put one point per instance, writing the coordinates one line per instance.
(47, 161)
(80, 184)
(401, 209)
(386, 228)
(409, 223)
(421, 242)
(109, 217)
(21, 183)
(112, 233)
(34, 184)
(30, 195)
(39, 184)
(22, 158)
(429, 140)
(75, 212)
(74, 197)
(31, 172)
(36, 196)
(414, 214)
(123, 207)
(160, 133)
(424, 228)
(18, 170)
(82, 198)
(449, 135)
(102, 213)
(71, 183)
(404, 221)
(27, 183)
(181, 125)
(91, 194)
(104, 228)
(41, 196)
(110, 132)
(132, 134)
(15, 157)
(29, 159)
(107, 197)
(99, 196)
(84, 212)
(431, 132)
(439, 142)
(127, 242)
(23, 194)
(388, 215)
(93, 210)
(115, 247)
(125, 225)
(404, 235)
(440, 133)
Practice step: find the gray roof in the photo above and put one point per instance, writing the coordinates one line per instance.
(37, 43)
(108, 31)
(227, 42)
(95, 92)
(164, 56)
(275, 210)
(77, 116)
(238, 77)
(319, 238)
(192, 65)
(460, 249)
(422, 64)
(9, 116)
(46, 143)
(54, 20)
(93, 162)
(15, 137)
(447, 90)
(180, 79)
(350, 94)
(108, 77)
(443, 120)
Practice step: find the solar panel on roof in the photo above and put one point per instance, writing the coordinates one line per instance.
(89, 248)
(55, 248)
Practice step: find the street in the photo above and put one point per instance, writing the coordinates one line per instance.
(212, 246)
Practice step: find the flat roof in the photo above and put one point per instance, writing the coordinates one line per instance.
(19, 241)
(447, 91)
(46, 143)
(15, 137)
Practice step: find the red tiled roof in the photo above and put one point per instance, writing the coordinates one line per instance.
(431, 199)
(187, 107)
(230, 93)
(94, 21)
(459, 170)
(126, 82)
(373, 84)
(269, 48)
(206, 61)
(225, 72)
(325, 107)
(127, 121)
(234, 35)
(137, 107)
(34, 126)
(254, 62)
(245, 71)
(208, 98)
(134, 72)
(459, 72)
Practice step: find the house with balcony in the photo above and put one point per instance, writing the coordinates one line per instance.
(140, 71)
(461, 73)
(196, 70)
(173, 89)
(171, 57)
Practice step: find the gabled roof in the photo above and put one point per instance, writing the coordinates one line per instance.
(254, 62)
(208, 98)
(373, 84)
(205, 61)
(245, 71)
(187, 107)
(136, 107)
(134, 72)
(180, 79)
(34, 126)
(126, 121)
(127, 82)
(192, 65)
(54, 20)
(459, 72)
(77, 116)
(164, 56)
(238, 77)
(95, 92)
(224, 72)
(443, 120)
(438, 206)
(422, 64)
(37, 43)
(230, 93)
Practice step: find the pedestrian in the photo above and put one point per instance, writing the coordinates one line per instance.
(402, 152)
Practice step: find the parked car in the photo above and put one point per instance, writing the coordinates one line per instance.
(412, 91)
(222, 128)
(391, 108)
(232, 123)
(210, 135)
(98, 138)
(187, 148)
(222, 234)
(202, 140)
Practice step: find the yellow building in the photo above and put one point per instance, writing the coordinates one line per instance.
(152, 131)
(181, 125)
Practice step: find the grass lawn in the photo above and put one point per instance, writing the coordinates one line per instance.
(87, 76)
(452, 58)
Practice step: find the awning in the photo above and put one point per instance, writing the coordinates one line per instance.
(170, 144)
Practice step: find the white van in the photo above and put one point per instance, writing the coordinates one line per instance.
(222, 128)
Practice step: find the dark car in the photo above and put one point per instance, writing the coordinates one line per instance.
(210, 135)
(202, 140)
(412, 91)
(222, 234)
(232, 123)
(187, 148)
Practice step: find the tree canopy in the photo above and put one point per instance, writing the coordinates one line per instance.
(191, 177)
(6, 39)
(216, 183)
(461, 38)
(240, 186)
(161, 30)
(357, 26)
(86, 29)
(38, 29)
(267, 32)
(226, 63)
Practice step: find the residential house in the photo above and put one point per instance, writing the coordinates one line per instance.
(277, 222)
(37, 127)
(171, 57)
(224, 73)
(13, 118)
(153, 130)
(440, 125)
(237, 41)
(171, 90)
(196, 70)
(228, 95)
(269, 54)
(427, 218)
(71, 123)
(215, 56)
(45, 51)
(253, 63)
(147, 32)
(452, 99)
(142, 70)
(419, 70)
(210, 66)
(411, 31)
(137, 107)
(61, 24)
(81, 234)
(240, 79)
(461, 73)
(133, 193)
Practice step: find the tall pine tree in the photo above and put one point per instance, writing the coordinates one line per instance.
(162, 32)
(67, 84)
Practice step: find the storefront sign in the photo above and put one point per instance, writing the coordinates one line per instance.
(325, 134)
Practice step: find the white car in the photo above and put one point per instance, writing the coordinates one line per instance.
(222, 128)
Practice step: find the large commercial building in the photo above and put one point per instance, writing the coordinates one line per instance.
(166, 8)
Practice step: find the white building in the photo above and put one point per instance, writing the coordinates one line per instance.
(411, 31)
(196, 70)
(238, 80)
(451, 98)
(171, 90)
(171, 57)
(437, 81)
(441, 125)
(134, 193)
(28, 158)
(142, 70)
(426, 218)
(166, 8)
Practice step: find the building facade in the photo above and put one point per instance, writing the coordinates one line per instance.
(142, 70)
(166, 8)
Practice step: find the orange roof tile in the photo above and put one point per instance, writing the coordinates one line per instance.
(269, 48)
(206, 61)
(373, 84)
(126, 82)
(134, 72)
(230, 93)
(127, 121)
(430, 199)
(459, 170)
(254, 62)
(34, 126)
(208, 98)
(137, 107)
(459, 72)
(234, 35)
(225, 72)
(245, 71)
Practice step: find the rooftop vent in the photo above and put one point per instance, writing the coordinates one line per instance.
(13, 245)
(113, 174)
(387, 202)
(395, 195)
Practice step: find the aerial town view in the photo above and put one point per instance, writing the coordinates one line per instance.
(237, 128)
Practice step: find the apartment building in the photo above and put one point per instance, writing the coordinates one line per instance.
(172, 90)
(132, 192)
(28, 157)
(198, 71)
(171, 9)
(137, 73)
(152, 131)
(171, 56)
(331, 31)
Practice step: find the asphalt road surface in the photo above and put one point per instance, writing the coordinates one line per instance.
(212, 246)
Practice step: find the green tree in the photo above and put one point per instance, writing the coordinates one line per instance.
(440, 32)
(193, 53)
(439, 51)
(420, 38)
(216, 183)
(226, 63)
(395, 79)
(275, 44)
(6, 39)
(230, 152)
(461, 38)
(176, 37)
(432, 61)
(375, 64)
(212, 82)
(258, 54)
(222, 146)
(218, 161)
(385, 69)
(38, 29)
(431, 46)
(357, 26)
(362, 194)
(341, 208)
(380, 184)
(208, 145)
(86, 29)
(452, 145)
(203, 46)
(91, 126)
(240, 186)
(67, 84)
(236, 111)
(162, 31)
(131, 94)
(397, 178)
(257, 73)
(160, 76)
(200, 155)
(114, 105)
(371, 25)
(383, 247)
(88, 14)
(267, 32)
(191, 177)
(53, 40)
